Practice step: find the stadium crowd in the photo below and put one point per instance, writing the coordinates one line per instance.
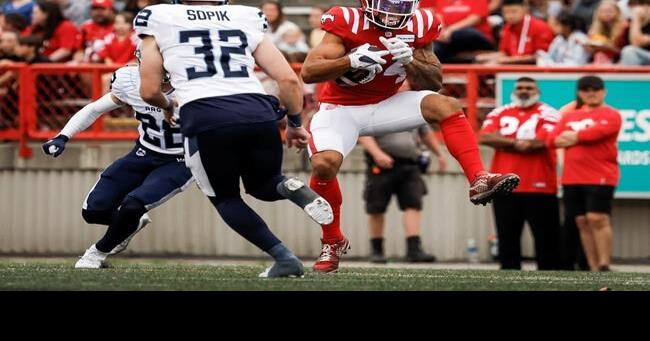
(563, 32)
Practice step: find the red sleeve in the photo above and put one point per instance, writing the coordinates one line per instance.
(68, 36)
(432, 26)
(542, 40)
(491, 122)
(505, 40)
(334, 21)
(559, 127)
(607, 125)
(480, 7)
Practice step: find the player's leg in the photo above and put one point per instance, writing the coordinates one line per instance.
(263, 179)
(599, 207)
(509, 219)
(102, 203)
(543, 215)
(334, 132)
(377, 194)
(463, 146)
(168, 179)
(410, 190)
(215, 158)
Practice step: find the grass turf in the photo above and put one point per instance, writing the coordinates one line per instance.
(131, 275)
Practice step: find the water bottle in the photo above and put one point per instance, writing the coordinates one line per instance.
(494, 246)
(472, 251)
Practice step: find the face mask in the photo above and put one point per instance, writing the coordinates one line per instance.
(524, 102)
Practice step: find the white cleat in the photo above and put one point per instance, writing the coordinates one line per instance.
(320, 211)
(92, 259)
(144, 221)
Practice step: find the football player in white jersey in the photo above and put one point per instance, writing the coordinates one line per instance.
(230, 126)
(152, 173)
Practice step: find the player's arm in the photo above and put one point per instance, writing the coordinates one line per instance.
(151, 76)
(270, 59)
(326, 61)
(381, 158)
(496, 140)
(80, 121)
(429, 139)
(425, 71)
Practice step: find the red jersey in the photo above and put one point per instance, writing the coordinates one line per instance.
(93, 37)
(453, 11)
(66, 35)
(120, 51)
(537, 170)
(525, 38)
(593, 160)
(352, 26)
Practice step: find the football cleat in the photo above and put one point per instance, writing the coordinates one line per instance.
(144, 221)
(285, 268)
(488, 185)
(317, 208)
(92, 259)
(328, 262)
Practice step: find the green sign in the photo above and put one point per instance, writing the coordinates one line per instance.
(629, 94)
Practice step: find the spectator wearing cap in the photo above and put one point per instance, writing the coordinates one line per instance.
(638, 52)
(22, 7)
(60, 36)
(95, 31)
(517, 131)
(590, 173)
(465, 27)
(522, 36)
(567, 48)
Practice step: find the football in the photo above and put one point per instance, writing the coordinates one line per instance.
(355, 77)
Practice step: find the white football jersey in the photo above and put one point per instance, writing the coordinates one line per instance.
(207, 50)
(155, 133)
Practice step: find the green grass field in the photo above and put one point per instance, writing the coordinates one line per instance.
(129, 274)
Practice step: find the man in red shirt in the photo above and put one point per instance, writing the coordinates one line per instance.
(521, 37)
(465, 27)
(591, 171)
(517, 132)
(95, 31)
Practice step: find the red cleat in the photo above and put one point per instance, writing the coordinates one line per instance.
(330, 255)
(488, 185)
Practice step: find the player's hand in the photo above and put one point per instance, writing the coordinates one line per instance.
(384, 160)
(442, 164)
(522, 146)
(400, 50)
(169, 113)
(55, 146)
(363, 58)
(297, 137)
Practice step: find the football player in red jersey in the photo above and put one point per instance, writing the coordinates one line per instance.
(391, 40)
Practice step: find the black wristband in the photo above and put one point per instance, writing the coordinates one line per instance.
(62, 137)
(295, 121)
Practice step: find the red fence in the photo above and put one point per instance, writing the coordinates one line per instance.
(44, 96)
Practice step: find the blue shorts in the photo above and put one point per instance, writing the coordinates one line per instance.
(145, 175)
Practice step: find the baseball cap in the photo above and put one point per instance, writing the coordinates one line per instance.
(590, 82)
(102, 4)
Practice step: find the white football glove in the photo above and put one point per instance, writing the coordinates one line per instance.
(400, 50)
(363, 58)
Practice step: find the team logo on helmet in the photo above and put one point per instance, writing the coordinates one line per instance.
(389, 14)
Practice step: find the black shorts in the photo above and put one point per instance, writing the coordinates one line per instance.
(580, 199)
(405, 181)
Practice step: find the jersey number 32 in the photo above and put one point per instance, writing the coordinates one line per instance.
(207, 50)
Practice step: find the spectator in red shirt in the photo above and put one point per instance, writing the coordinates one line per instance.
(121, 44)
(465, 28)
(590, 172)
(517, 132)
(60, 37)
(522, 36)
(95, 31)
